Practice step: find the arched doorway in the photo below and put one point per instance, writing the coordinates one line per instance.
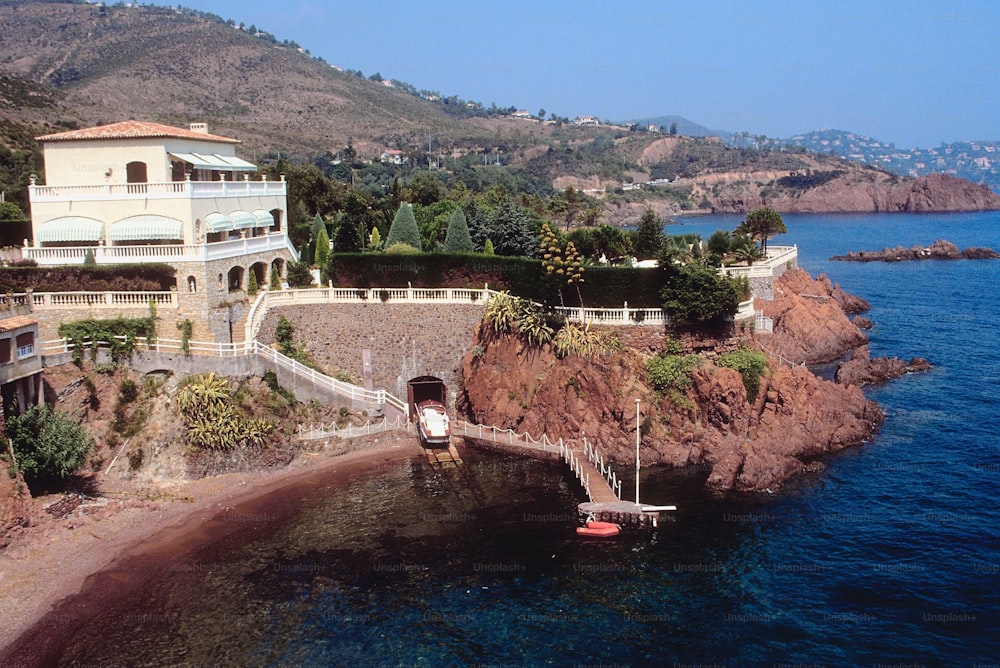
(234, 279)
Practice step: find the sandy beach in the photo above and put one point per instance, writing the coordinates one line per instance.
(48, 582)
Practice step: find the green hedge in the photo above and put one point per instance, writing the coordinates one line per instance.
(607, 287)
(90, 278)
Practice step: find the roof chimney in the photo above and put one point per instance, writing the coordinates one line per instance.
(200, 128)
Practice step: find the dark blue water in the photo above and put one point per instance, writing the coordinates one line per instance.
(890, 556)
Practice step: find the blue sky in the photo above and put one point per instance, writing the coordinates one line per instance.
(916, 73)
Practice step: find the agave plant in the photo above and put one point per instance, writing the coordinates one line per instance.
(584, 342)
(501, 312)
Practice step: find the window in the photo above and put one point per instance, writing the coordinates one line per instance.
(25, 345)
(135, 172)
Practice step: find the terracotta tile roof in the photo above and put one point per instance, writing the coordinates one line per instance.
(17, 322)
(134, 130)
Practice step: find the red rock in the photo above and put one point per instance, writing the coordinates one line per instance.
(796, 417)
(810, 326)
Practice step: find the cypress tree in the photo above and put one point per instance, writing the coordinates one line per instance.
(322, 248)
(457, 239)
(404, 228)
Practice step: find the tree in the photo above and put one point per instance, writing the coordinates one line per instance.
(457, 239)
(252, 285)
(404, 228)
(322, 255)
(275, 278)
(649, 236)
(299, 275)
(719, 243)
(488, 248)
(696, 293)
(47, 443)
(762, 224)
(10, 212)
(562, 265)
(510, 230)
(425, 188)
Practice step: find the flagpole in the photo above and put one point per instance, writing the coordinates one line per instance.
(637, 452)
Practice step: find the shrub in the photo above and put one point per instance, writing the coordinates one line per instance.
(667, 371)
(299, 275)
(213, 420)
(697, 293)
(47, 443)
(751, 365)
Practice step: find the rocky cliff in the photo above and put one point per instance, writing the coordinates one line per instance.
(744, 445)
(854, 191)
(811, 324)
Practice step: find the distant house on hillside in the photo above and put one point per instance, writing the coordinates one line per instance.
(393, 157)
(521, 113)
(135, 192)
(586, 120)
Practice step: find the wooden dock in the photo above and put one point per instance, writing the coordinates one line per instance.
(598, 480)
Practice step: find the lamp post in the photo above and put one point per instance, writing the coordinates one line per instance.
(637, 452)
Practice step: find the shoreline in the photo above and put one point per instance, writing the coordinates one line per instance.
(47, 587)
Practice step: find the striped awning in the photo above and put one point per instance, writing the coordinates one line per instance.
(219, 163)
(217, 222)
(264, 218)
(146, 227)
(70, 228)
(243, 220)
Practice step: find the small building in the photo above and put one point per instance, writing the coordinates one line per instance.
(393, 157)
(20, 364)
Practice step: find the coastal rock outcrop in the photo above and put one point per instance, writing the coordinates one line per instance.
(744, 445)
(810, 319)
(861, 369)
(939, 250)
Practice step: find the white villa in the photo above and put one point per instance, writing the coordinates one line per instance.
(139, 192)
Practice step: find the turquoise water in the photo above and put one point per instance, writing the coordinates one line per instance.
(890, 556)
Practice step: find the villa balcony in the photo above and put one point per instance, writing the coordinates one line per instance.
(135, 254)
(156, 191)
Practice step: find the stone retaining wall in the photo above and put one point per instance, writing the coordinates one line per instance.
(406, 340)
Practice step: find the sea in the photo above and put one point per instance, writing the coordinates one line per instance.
(890, 556)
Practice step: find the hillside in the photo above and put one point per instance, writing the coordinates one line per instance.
(977, 161)
(70, 64)
(115, 62)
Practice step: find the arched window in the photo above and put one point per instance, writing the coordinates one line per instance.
(135, 172)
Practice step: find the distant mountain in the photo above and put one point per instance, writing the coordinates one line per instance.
(685, 127)
(107, 63)
(977, 161)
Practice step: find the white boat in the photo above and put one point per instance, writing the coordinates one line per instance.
(432, 423)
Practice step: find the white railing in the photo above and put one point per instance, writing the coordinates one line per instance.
(60, 255)
(597, 460)
(353, 392)
(161, 190)
(323, 431)
(41, 301)
(762, 323)
(565, 449)
(615, 316)
(776, 256)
